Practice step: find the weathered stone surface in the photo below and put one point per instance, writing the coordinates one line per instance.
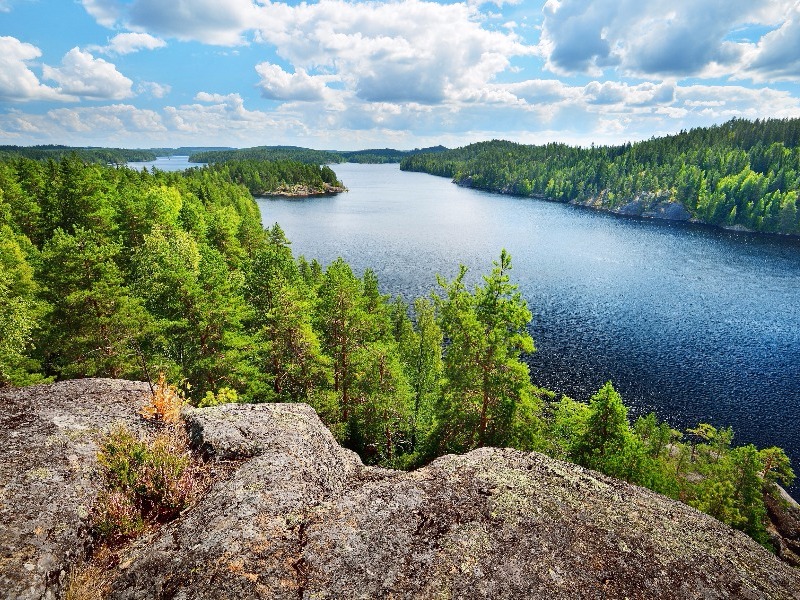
(302, 518)
(47, 453)
(784, 514)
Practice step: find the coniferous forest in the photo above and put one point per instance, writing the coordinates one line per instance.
(742, 174)
(111, 272)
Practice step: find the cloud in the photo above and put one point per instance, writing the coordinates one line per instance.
(277, 84)
(615, 92)
(681, 38)
(777, 54)
(105, 12)
(232, 105)
(81, 74)
(126, 43)
(207, 21)
(153, 89)
(17, 81)
(392, 52)
(90, 123)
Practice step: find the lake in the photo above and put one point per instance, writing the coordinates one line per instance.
(166, 163)
(694, 323)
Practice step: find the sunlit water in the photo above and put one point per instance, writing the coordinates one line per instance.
(697, 324)
(166, 163)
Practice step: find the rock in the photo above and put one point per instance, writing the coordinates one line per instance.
(784, 515)
(672, 211)
(635, 208)
(303, 518)
(48, 439)
(298, 516)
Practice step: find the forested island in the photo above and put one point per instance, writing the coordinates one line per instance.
(112, 272)
(742, 174)
(307, 155)
(118, 156)
(282, 177)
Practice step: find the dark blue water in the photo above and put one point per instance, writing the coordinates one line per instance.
(697, 324)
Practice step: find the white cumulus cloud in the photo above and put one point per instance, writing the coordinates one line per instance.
(207, 21)
(153, 89)
(682, 38)
(17, 81)
(409, 51)
(126, 43)
(83, 75)
(277, 84)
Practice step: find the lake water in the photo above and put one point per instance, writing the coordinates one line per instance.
(697, 324)
(165, 163)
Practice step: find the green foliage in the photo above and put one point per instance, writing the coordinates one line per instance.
(144, 481)
(224, 395)
(95, 323)
(117, 156)
(486, 383)
(742, 173)
(112, 272)
(306, 155)
(603, 443)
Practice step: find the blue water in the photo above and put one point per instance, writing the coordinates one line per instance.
(165, 163)
(695, 323)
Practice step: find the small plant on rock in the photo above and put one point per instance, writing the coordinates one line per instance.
(146, 479)
(165, 404)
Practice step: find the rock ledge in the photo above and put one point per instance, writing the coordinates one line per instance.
(301, 517)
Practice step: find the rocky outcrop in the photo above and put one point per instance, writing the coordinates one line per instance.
(301, 190)
(301, 517)
(48, 446)
(645, 204)
(784, 516)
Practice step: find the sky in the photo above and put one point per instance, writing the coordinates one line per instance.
(349, 74)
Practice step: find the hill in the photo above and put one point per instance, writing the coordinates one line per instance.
(742, 174)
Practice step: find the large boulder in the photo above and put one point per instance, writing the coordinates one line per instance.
(48, 448)
(303, 518)
(294, 515)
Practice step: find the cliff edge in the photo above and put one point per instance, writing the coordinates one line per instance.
(301, 517)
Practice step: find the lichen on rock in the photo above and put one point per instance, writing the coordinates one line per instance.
(301, 517)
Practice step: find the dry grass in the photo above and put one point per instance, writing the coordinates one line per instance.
(88, 581)
(165, 404)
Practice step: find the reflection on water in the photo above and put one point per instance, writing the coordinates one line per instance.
(165, 163)
(695, 323)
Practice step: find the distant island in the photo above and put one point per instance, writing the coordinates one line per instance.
(97, 154)
(742, 175)
(307, 155)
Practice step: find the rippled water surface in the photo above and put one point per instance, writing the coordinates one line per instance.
(166, 163)
(695, 323)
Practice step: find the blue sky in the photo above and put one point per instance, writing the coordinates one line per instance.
(346, 74)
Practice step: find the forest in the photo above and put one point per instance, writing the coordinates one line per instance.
(112, 272)
(741, 174)
(115, 156)
(306, 155)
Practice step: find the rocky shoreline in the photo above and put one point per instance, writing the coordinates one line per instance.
(303, 191)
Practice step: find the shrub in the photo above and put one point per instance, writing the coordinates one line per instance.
(225, 395)
(165, 404)
(145, 481)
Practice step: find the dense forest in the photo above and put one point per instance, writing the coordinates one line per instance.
(114, 156)
(187, 150)
(742, 174)
(306, 155)
(287, 177)
(118, 273)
